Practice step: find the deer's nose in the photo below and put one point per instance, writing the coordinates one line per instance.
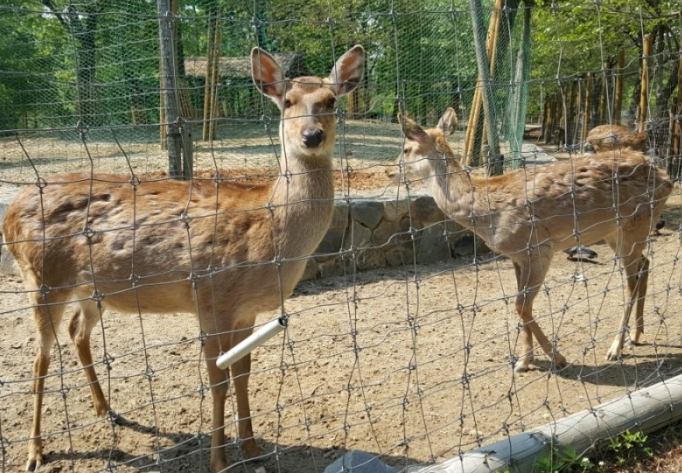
(312, 137)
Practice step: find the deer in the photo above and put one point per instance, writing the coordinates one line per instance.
(223, 251)
(530, 213)
(610, 137)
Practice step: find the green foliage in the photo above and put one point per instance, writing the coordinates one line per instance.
(623, 450)
(629, 446)
(564, 459)
(23, 63)
(572, 37)
(420, 54)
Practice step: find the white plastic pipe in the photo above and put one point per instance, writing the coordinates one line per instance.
(256, 339)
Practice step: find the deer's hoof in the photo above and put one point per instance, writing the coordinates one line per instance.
(251, 449)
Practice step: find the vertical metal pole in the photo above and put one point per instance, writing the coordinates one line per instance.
(169, 89)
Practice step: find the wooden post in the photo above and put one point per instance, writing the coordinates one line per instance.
(351, 104)
(603, 102)
(215, 77)
(169, 89)
(675, 164)
(578, 112)
(588, 111)
(162, 114)
(546, 120)
(644, 92)
(554, 117)
(569, 113)
(207, 79)
(211, 77)
(618, 89)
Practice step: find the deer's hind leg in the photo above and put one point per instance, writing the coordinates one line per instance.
(80, 328)
(642, 283)
(636, 267)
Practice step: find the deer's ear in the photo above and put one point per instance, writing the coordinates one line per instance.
(267, 75)
(448, 122)
(347, 72)
(411, 130)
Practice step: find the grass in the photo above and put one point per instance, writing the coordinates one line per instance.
(630, 452)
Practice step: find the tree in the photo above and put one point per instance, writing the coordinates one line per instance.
(82, 26)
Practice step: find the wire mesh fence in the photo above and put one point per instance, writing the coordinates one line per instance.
(411, 360)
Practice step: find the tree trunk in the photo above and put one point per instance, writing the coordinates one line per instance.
(644, 90)
(618, 92)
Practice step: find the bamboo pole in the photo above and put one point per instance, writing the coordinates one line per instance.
(484, 67)
(475, 132)
(472, 127)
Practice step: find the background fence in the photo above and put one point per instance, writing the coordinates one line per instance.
(410, 362)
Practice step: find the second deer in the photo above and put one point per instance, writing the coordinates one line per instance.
(220, 250)
(610, 137)
(529, 214)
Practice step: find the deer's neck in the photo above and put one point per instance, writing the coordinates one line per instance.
(302, 203)
(452, 189)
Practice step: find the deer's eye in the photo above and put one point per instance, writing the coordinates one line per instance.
(287, 103)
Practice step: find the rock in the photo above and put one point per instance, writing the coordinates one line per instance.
(357, 461)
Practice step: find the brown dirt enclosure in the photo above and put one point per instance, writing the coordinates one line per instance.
(411, 363)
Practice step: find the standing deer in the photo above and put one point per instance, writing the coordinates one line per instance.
(529, 214)
(223, 251)
(610, 137)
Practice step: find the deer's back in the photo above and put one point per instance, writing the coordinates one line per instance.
(591, 197)
(610, 137)
(163, 235)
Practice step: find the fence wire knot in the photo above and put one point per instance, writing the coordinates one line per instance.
(41, 183)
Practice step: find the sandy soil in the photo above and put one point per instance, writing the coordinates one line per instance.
(411, 363)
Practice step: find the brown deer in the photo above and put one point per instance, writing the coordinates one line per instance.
(610, 137)
(223, 251)
(529, 214)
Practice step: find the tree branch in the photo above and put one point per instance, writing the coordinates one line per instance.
(50, 6)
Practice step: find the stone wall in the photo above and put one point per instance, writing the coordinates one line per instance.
(368, 234)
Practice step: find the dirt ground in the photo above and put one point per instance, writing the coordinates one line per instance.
(411, 363)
